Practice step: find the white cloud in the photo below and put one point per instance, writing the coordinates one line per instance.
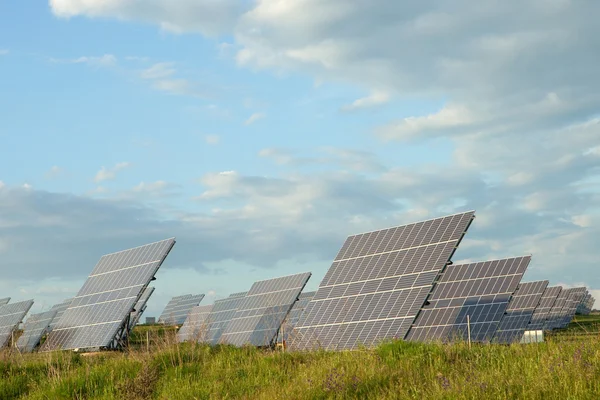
(107, 174)
(212, 139)
(54, 172)
(2, 185)
(253, 118)
(374, 99)
(158, 71)
(106, 60)
(4, 52)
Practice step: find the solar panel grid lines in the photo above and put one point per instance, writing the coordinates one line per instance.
(4, 301)
(34, 328)
(575, 297)
(479, 290)
(377, 284)
(140, 307)
(178, 308)
(196, 325)
(556, 315)
(221, 314)
(97, 316)
(60, 310)
(519, 311)
(11, 315)
(542, 311)
(262, 311)
(170, 307)
(297, 309)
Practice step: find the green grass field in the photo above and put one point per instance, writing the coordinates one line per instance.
(566, 366)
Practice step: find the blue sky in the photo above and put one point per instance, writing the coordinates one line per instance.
(260, 136)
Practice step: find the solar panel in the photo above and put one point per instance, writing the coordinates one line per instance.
(60, 310)
(478, 290)
(263, 310)
(98, 317)
(377, 284)
(181, 309)
(542, 311)
(556, 315)
(170, 307)
(297, 309)
(34, 328)
(575, 297)
(4, 301)
(140, 307)
(11, 315)
(222, 312)
(519, 311)
(195, 326)
(582, 307)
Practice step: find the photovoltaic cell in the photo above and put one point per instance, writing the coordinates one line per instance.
(297, 309)
(519, 311)
(182, 309)
(222, 313)
(542, 311)
(60, 310)
(478, 290)
(11, 315)
(167, 315)
(556, 315)
(34, 328)
(378, 283)
(195, 326)
(97, 316)
(140, 307)
(4, 301)
(263, 310)
(574, 299)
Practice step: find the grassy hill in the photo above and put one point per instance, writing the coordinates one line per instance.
(567, 366)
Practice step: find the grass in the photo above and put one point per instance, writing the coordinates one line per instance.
(556, 369)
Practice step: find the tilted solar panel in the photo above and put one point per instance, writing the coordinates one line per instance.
(4, 301)
(11, 315)
(297, 309)
(195, 326)
(574, 299)
(222, 312)
(542, 311)
(262, 311)
(378, 283)
(140, 307)
(98, 317)
(478, 290)
(519, 311)
(60, 310)
(556, 315)
(167, 313)
(34, 328)
(178, 313)
(582, 307)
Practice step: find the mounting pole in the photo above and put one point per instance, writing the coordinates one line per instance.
(148, 341)
(469, 330)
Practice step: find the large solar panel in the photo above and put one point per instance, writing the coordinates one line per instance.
(60, 310)
(556, 315)
(170, 308)
(4, 301)
(574, 299)
(195, 326)
(222, 312)
(34, 328)
(140, 307)
(378, 282)
(519, 311)
(260, 314)
(11, 315)
(480, 291)
(297, 309)
(98, 316)
(181, 309)
(542, 311)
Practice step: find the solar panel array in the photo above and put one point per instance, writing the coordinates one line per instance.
(555, 316)
(178, 308)
(34, 329)
(140, 307)
(4, 301)
(11, 315)
(576, 296)
(480, 291)
(60, 310)
(542, 311)
(196, 324)
(222, 312)
(586, 306)
(297, 309)
(519, 311)
(97, 316)
(262, 311)
(378, 283)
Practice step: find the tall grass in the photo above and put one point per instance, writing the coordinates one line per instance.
(557, 369)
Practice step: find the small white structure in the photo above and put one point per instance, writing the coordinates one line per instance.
(533, 337)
